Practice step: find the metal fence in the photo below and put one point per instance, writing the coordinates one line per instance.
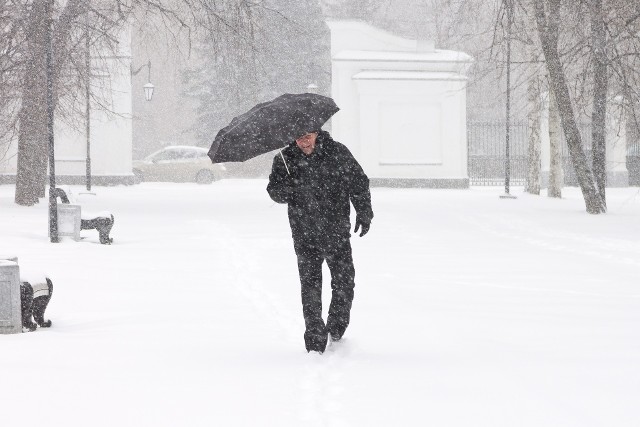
(487, 148)
(487, 152)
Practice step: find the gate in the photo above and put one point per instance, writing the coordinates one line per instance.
(487, 152)
(486, 145)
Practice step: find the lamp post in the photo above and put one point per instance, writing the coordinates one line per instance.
(87, 63)
(507, 162)
(53, 204)
(149, 87)
(148, 91)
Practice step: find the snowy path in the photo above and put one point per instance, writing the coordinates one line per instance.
(469, 311)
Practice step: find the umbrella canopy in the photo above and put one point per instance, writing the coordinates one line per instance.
(271, 125)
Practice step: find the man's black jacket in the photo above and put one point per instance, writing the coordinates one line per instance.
(318, 189)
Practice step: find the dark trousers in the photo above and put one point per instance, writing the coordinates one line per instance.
(340, 262)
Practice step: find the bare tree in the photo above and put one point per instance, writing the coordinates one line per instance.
(600, 85)
(32, 151)
(23, 52)
(548, 17)
(556, 177)
(532, 185)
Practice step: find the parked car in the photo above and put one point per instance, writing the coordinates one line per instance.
(179, 163)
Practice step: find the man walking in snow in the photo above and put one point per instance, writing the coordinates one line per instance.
(317, 177)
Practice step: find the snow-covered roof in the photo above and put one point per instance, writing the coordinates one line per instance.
(407, 75)
(357, 42)
(357, 35)
(437, 55)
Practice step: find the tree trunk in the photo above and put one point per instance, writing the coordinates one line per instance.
(600, 83)
(534, 144)
(548, 32)
(555, 153)
(32, 136)
(31, 176)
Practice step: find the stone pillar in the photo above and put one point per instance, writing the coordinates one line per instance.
(10, 312)
(617, 173)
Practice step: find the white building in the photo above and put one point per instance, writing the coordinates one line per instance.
(402, 106)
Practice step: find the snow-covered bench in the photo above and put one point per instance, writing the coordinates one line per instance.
(71, 219)
(35, 293)
(28, 294)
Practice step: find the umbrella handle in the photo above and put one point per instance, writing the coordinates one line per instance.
(285, 162)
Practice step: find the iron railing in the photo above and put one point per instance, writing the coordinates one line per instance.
(487, 152)
(486, 148)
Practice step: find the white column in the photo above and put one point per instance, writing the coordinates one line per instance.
(617, 173)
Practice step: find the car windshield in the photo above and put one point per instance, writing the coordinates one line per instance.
(194, 154)
(177, 153)
(169, 154)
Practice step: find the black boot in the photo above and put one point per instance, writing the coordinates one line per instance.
(316, 340)
(335, 336)
(336, 326)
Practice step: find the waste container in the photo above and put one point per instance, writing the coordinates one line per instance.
(10, 312)
(69, 221)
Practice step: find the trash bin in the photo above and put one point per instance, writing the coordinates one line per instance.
(69, 219)
(10, 311)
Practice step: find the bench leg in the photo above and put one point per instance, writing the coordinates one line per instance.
(26, 303)
(40, 304)
(103, 225)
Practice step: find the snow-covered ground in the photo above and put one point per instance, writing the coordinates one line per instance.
(470, 310)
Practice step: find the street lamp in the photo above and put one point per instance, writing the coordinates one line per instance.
(149, 87)
(507, 164)
(53, 203)
(87, 64)
(148, 91)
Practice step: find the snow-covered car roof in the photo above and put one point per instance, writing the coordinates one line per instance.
(185, 147)
(178, 147)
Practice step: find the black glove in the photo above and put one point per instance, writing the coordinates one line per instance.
(364, 224)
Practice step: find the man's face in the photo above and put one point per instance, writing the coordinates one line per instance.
(307, 142)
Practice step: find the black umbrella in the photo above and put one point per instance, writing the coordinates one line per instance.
(271, 125)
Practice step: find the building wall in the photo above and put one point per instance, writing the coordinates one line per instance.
(403, 106)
